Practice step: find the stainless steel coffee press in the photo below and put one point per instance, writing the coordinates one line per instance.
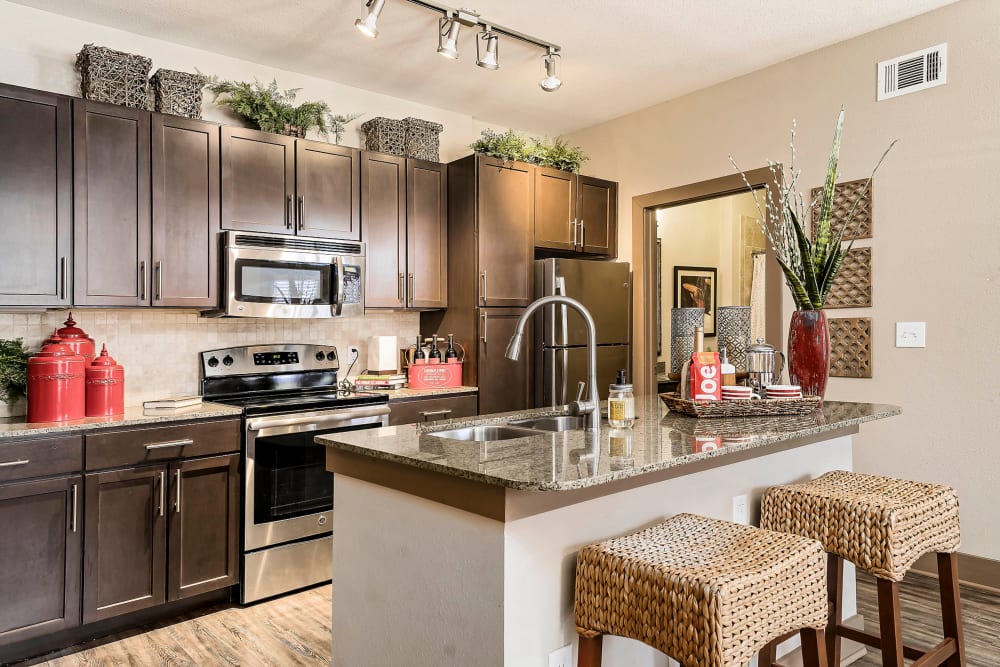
(764, 366)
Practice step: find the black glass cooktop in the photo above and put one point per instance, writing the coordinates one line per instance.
(301, 401)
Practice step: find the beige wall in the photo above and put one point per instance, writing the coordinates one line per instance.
(936, 246)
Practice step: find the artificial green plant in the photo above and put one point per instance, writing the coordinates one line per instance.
(512, 145)
(13, 370)
(809, 266)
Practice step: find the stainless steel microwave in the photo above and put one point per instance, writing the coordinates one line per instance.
(271, 275)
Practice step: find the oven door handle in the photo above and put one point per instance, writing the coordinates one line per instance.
(340, 284)
(322, 420)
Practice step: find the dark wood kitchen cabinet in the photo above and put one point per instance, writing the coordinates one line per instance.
(42, 529)
(36, 198)
(405, 209)
(111, 200)
(574, 213)
(504, 385)
(432, 408)
(185, 223)
(163, 530)
(503, 215)
(281, 185)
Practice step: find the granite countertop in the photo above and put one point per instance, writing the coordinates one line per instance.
(417, 394)
(16, 427)
(572, 460)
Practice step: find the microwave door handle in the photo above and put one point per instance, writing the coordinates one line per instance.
(340, 284)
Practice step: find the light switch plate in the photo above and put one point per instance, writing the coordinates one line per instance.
(562, 657)
(741, 510)
(911, 334)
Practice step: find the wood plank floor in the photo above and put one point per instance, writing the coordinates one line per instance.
(295, 630)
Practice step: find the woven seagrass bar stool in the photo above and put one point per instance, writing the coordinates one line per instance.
(882, 525)
(708, 593)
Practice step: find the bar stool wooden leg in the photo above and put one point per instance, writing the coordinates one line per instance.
(813, 648)
(951, 606)
(589, 651)
(889, 624)
(835, 596)
(767, 655)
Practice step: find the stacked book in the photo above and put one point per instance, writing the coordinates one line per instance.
(380, 381)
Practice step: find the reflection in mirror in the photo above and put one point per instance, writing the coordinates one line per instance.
(710, 254)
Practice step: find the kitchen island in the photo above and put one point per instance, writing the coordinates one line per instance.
(460, 545)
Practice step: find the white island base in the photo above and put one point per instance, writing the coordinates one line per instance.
(420, 583)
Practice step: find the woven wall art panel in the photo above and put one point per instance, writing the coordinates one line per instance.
(852, 287)
(844, 195)
(850, 347)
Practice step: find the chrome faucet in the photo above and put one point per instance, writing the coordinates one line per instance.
(592, 406)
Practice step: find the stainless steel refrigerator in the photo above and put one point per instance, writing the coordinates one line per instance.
(605, 288)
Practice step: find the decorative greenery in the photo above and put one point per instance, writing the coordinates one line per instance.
(809, 267)
(13, 370)
(273, 110)
(511, 145)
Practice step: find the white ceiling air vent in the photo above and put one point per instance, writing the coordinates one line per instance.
(914, 71)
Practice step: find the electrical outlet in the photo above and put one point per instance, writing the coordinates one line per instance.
(911, 334)
(562, 657)
(353, 351)
(741, 509)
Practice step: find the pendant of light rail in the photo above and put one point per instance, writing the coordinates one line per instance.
(487, 40)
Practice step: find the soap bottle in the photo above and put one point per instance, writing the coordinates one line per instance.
(621, 403)
(728, 370)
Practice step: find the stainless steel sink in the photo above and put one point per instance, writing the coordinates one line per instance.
(556, 423)
(485, 433)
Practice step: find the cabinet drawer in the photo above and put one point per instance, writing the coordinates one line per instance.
(147, 445)
(23, 459)
(432, 409)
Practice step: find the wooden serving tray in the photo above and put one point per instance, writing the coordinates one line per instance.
(756, 407)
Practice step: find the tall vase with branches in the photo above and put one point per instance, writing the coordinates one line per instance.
(809, 266)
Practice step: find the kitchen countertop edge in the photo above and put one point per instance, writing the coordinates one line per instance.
(16, 427)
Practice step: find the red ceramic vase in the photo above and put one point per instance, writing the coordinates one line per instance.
(809, 351)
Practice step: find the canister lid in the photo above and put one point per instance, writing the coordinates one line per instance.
(104, 359)
(760, 346)
(70, 330)
(54, 348)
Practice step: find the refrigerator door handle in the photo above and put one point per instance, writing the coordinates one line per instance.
(565, 377)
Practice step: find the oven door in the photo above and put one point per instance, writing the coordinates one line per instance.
(272, 282)
(288, 491)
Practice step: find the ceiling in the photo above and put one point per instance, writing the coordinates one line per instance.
(618, 55)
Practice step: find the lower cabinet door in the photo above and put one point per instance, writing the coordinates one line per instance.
(125, 545)
(39, 557)
(204, 525)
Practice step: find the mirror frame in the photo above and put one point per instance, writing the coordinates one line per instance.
(643, 255)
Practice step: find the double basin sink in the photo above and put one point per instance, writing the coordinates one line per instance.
(521, 428)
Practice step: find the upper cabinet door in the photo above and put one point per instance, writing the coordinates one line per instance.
(505, 213)
(383, 197)
(258, 181)
(426, 234)
(36, 198)
(598, 216)
(112, 206)
(555, 209)
(185, 162)
(328, 190)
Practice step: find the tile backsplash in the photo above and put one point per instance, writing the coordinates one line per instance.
(159, 348)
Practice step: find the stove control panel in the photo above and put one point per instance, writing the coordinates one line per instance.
(268, 359)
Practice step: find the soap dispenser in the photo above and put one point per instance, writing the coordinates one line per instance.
(621, 403)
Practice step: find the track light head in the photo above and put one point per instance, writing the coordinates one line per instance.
(490, 59)
(368, 25)
(551, 82)
(448, 37)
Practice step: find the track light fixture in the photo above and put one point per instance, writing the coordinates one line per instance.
(367, 25)
(488, 56)
(448, 28)
(487, 40)
(551, 82)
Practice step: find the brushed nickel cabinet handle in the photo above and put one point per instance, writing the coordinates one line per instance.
(73, 511)
(62, 277)
(573, 227)
(583, 234)
(399, 289)
(177, 503)
(302, 212)
(163, 490)
(434, 413)
(158, 290)
(485, 319)
(482, 280)
(170, 443)
(142, 280)
(288, 211)
(11, 464)
(409, 286)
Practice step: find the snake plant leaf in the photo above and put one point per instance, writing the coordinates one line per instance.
(831, 273)
(799, 294)
(829, 187)
(808, 274)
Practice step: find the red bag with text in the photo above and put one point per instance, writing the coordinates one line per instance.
(706, 376)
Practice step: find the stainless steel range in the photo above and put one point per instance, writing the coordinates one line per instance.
(289, 395)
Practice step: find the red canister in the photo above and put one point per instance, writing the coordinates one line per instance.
(105, 387)
(76, 339)
(55, 384)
